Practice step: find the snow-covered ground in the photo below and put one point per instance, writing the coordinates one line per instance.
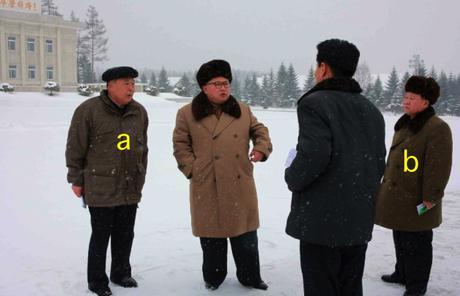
(44, 230)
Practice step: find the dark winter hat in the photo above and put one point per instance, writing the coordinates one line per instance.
(428, 88)
(340, 55)
(212, 69)
(119, 72)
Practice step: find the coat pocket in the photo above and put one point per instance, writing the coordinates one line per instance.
(101, 180)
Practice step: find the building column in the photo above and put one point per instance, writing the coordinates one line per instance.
(3, 49)
(23, 66)
(59, 56)
(41, 41)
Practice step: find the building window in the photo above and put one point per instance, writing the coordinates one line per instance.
(12, 72)
(49, 46)
(12, 43)
(30, 44)
(31, 72)
(50, 73)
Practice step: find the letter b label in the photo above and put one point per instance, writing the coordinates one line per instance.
(406, 159)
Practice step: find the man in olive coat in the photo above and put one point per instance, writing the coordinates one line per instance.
(211, 145)
(417, 172)
(106, 157)
(335, 174)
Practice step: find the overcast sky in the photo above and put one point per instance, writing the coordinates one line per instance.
(260, 34)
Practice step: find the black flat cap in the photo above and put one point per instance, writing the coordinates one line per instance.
(119, 72)
(212, 69)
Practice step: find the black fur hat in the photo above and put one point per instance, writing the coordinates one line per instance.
(428, 88)
(119, 72)
(212, 69)
(341, 56)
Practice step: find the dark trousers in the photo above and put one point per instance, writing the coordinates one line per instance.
(245, 253)
(332, 271)
(414, 256)
(116, 223)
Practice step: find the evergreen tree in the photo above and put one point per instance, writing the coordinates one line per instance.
(280, 87)
(195, 87)
(183, 87)
(252, 91)
(83, 64)
(404, 79)
(392, 93)
(442, 105)
(417, 65)
(377, 93)
(292, 90)
(433, 73)
(363, 75)
(310, 82)
(245, 95)
(94, 38)
(49, 8)
(236, 88)
(143, 78)
(163, 81)
(153, 80)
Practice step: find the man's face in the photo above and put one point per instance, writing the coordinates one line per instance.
(121, 90)
(414, 104)
(217, 90)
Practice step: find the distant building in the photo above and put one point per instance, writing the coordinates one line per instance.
(36, 48)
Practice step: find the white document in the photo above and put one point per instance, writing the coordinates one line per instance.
(290, 157)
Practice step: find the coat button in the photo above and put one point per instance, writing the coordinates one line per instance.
(235, 136)
(237, 155)
(215, 137)
(216, 157)
(239, 176)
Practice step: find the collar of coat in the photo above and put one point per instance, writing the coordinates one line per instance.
(417, 123)
(201, 107)
(336, 83)
(125, 110)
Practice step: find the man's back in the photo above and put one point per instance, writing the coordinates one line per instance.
(339, 163)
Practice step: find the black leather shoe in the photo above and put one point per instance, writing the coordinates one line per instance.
(261, 286)
(417, 293)
(127, 282)
(392, 278)
(211, 287)
(101, 291)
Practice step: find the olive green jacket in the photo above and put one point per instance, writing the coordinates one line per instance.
(429, 139)
(99, 156)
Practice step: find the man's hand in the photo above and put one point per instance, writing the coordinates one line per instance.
(256, 156)
(78, 190)
(428, 204)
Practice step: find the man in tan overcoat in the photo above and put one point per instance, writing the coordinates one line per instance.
(211, 145)
(417, 172)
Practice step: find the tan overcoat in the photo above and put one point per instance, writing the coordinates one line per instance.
(213, 154)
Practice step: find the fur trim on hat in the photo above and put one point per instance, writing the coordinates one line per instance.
(212, 69)
(428, 88)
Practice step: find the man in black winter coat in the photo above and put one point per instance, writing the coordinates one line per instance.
(335, 174)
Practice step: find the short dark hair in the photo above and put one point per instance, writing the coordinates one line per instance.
(340, 55)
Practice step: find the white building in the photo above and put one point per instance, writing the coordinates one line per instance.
(36, 48)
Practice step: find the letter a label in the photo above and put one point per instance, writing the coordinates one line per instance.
(124, 144)
(406, 159)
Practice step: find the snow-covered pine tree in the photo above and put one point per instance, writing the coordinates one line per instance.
(49, 8)
(310, 82)
(236, 87)
(363, 75)
(292, 87)
(94, 37)
(392, 93)
(163, 81)
(417, 65)
(280, 87)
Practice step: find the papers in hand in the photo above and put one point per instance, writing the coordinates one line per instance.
(421, 208)
(290, 157)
